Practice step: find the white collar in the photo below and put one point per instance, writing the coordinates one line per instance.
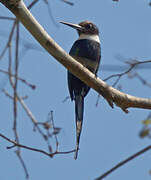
(90, 37)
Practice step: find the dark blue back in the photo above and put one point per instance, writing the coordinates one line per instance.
(90, 50)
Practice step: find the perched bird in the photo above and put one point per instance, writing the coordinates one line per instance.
(87, 51)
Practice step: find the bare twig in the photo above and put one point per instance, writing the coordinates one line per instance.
(31, 116)
(97, 100)
(68, 2)
(53, 126)
(132, 65)
(51, 130)
(32, 4)
(13, 28)
(21, 79)
(142, 80)
(124, 162)
(31, 148)
(7, 94)
(28, 112)
(50, 12)
(7, 18)
(16, 84)
(65, 99)
(22, 163)
(9, 40)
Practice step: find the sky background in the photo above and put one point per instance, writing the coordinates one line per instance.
(108, 135)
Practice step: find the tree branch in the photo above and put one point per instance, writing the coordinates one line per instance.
(15, 144)
(124, 162)
(124, 101)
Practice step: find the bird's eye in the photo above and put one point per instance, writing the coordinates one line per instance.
(89, 26)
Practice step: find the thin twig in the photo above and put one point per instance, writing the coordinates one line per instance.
(16, 84)
(124, 162)
(53, 126)
(9, 40)
(97, 100)
(7, 94)
(13, 28)
(28, 112)
(21, 79)
(50, 13)
(68, 2)
(32, 4)
(132, 65)
(65, 99)
(22, 163)
(119, 75)
(7, 18)
(143, 81)
(31, 148)
(31, 116)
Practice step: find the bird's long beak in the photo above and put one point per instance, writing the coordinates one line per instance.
(75, 26)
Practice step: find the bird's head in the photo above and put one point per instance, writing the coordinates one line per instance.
(85, 27)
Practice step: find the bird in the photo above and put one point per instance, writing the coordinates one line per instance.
(87, 51)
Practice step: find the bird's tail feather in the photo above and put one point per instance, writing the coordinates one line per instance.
(79, 108)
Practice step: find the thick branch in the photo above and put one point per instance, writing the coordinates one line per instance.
(124, 101)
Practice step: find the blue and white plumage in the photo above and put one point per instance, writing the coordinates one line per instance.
(87, 51)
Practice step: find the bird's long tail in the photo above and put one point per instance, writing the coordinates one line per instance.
(79, 109)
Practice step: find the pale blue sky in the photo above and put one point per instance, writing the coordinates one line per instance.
(109, 135)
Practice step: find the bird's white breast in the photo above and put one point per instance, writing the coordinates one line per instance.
(94, 37)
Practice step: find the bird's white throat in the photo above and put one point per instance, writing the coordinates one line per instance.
(94, 37)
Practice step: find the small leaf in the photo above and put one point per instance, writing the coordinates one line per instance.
(144, 133)
(146, 122)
